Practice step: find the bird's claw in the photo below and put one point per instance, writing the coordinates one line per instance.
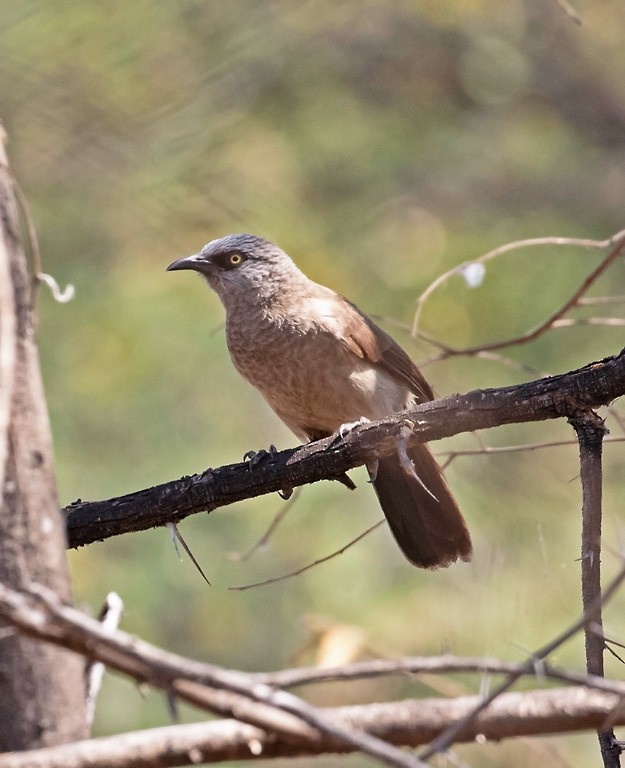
(254, 458)
(372, 468)
(346, 428)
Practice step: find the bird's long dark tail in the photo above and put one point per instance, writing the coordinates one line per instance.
(428, 527)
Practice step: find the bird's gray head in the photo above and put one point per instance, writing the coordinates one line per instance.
(239, 265)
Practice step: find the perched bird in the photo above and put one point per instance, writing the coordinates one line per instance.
(321, 363)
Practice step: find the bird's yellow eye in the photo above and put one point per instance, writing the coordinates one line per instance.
(229, 260)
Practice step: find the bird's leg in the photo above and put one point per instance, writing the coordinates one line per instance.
(344, 478)
(255, 457)
(341, 432)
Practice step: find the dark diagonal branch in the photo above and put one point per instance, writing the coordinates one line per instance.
(594, 385)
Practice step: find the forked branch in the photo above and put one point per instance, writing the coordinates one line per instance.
(615, 246)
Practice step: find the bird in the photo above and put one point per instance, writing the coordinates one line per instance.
(321, 363)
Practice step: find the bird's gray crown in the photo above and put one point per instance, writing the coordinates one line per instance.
(252, 246)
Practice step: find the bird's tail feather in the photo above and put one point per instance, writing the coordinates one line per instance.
(422, 514)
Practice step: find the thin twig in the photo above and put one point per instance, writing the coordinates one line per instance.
(432, 665)
(277, 519)
(510, 362)
(569, 322)
(612, 652)
(613, 642)
(618, 418)
(33, 244)
(38, 275)
(449, 456)
(591, 301)
(176, 535)
(310, 565)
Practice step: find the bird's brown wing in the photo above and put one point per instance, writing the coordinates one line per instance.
(370, 342)
(422, 513)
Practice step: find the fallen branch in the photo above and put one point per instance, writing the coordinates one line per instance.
(409, 723)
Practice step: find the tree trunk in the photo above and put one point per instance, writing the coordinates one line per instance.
(41, 687)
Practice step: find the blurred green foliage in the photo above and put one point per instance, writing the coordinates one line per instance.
(380, 143)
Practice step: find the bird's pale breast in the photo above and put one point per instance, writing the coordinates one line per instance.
(310, 379)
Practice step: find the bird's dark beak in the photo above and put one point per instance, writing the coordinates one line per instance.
(196, 262)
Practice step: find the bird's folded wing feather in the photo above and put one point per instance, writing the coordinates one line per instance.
(369, 342)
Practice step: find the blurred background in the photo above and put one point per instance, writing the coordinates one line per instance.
(380, 144)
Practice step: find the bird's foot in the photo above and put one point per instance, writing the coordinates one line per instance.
(254, 458)
(346, 428)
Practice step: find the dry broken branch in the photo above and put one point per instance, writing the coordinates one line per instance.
(269, 714)
(409, 723)
(39, 613)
